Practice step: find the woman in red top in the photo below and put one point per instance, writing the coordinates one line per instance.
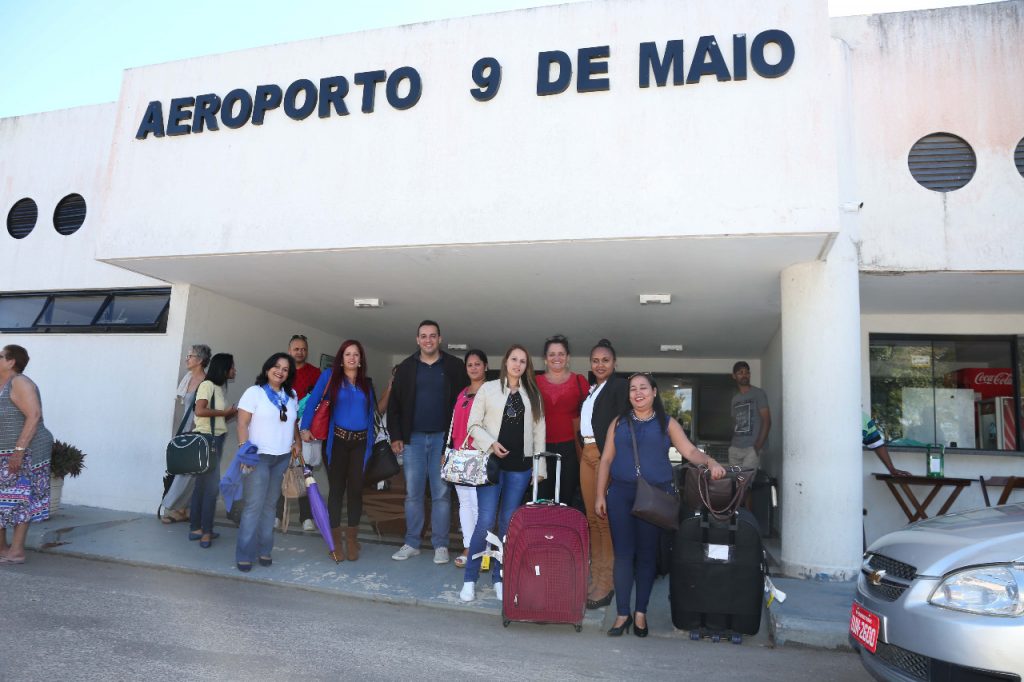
(563, 392)
(476, 368)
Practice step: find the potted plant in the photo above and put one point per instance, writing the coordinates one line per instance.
(65, 460)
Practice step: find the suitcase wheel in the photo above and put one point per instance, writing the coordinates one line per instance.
(579, 628)
(505, 622)
(716, 638)
(736, 638)
(695, 635)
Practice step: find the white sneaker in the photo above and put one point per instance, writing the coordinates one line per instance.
(441, 555)
(468, 592)
(497, 591)
(277, 523)
(308, 526)
(405, 552)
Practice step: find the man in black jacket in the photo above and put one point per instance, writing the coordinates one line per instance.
(419, 412)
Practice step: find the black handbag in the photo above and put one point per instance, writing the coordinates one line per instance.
(652, 504)
(383, 464)
(192, 452)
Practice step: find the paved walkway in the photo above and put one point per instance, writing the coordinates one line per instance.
(815, 614)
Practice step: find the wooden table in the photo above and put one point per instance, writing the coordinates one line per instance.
(899, 486)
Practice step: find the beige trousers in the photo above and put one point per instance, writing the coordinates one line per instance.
(601, 556)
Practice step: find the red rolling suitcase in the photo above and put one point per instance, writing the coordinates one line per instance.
(546, 557)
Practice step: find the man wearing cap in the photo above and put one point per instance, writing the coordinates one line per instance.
(751, 420)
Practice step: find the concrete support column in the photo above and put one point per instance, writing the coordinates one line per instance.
(822, 495)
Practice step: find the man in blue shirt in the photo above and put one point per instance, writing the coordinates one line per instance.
(874, 440)
(419, 411)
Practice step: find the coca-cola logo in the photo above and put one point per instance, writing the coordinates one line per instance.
(1000, 379)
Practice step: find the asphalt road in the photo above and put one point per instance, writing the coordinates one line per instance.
(66, 618)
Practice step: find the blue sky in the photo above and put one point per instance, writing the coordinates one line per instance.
(56, 54)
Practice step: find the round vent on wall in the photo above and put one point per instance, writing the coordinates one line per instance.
(942, 162)
(69, 214)
(1018, 156)
(22, 218)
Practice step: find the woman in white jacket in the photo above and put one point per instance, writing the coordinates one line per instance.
(507, 419)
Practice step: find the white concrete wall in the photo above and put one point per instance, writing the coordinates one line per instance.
(741, 157)
(949, 70)
(45, 157)
(883, 513)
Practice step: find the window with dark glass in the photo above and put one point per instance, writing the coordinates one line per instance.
(121, 310)
(960, 392)
(20, 312)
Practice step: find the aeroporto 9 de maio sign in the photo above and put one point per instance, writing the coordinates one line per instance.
(188, 115)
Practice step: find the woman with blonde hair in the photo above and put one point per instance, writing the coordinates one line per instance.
(507, 420)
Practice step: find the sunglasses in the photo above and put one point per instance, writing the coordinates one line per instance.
(557, 338)
(638, 374)
(284, 413)
(298, 337)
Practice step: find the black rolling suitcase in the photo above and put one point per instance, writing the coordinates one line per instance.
(716, 584)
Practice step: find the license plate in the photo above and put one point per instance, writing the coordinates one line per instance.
(864, 627)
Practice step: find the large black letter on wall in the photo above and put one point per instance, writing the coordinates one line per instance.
(333, 91)
(649, 61)
(178, 114)
(207, 107)
(152, 121)
(369, 80)
(291, 110)
(415, 87)
(587, 68)
(228, 117)
(760, 64)
(267, 97)
(707, 46)
(545, 86)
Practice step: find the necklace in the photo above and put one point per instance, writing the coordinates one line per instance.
(644, 419)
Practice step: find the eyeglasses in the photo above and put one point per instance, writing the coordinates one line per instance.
(284, 413)
(190, 355)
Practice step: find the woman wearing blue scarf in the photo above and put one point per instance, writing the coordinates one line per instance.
(350, 439)
(266, 419)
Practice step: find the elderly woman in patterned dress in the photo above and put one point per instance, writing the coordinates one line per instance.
(25, 447)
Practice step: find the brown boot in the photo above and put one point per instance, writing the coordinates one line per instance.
(339, 545)
(351, 534)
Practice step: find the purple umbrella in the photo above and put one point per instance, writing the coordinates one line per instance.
(319, 510)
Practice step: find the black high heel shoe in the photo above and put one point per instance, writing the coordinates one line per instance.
(617, 631)
(639, 631)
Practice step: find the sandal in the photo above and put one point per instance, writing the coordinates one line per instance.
(173, 516)
(460, 561)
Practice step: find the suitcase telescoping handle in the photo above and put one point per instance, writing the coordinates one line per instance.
(558, 473)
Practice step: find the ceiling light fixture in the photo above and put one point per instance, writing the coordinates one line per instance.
(368, 302)
(672, 347)
(457, 346)
(662, 299)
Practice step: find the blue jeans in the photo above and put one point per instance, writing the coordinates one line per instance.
(422, 462)
(204, 495)
(260, 490)
(635, 543)
(510, 488)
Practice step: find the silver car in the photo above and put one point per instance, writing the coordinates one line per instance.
(943, 599)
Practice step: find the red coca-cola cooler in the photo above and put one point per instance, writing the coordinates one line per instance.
(987, 382)
(997, 429)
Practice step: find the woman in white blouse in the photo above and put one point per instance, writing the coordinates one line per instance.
(266, 419)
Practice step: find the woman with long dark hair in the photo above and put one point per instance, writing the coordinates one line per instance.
(211, 414)
(507, 419)
(476, 369)
(267, 419)
(636, 540)
(349, 442)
